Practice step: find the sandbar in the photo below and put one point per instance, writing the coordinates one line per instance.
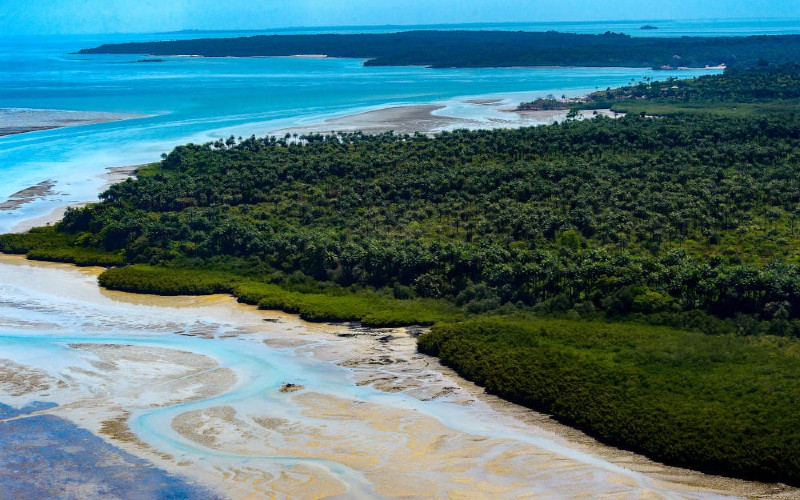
(28, 195)
(397, 119)
(487, 113)
(23, 120)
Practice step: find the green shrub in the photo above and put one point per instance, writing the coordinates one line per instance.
(370, 308)
(78, 256)
(42, 237)
(722, 404)
(166, 281)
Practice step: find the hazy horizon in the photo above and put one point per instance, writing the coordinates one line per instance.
(476, 23)
(117, 16)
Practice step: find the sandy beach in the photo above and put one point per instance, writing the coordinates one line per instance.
(398, 119)
(476, 113)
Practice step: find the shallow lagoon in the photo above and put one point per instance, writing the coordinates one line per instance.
(184, 99)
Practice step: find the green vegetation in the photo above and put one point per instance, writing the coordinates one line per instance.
(469, 49)
(310, 301)
(548, 103)
(737, 93)
(46, 244)
(723, 404)
(638, 278)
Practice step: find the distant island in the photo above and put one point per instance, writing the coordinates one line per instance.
(473, 49)
(648, 27)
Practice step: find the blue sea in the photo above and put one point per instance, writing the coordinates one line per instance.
(189, 99)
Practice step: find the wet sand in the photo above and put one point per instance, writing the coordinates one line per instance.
(112, 175)
(28, 195)
(259, 404)
(399, 119)
(44, 456)
(23, 120)
(486, 113)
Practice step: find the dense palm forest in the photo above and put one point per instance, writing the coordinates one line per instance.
(761, 89)
(636, 277)
(738, 92)
(471, 49)
(633, 215)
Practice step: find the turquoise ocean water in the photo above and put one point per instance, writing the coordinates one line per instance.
(187, 99)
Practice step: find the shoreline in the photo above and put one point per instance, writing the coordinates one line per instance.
(483, 112)
(113, 175)
(405, 119)
(383, 359)
(489, 112)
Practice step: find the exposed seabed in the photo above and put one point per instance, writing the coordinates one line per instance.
(220, 398)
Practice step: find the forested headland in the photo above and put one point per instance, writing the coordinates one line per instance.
(471, 49)
(762, 89)
(638, 278)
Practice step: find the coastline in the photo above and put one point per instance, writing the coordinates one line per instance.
(112, 175)
(474, 112)
(382, 362)
(324, 433)
(590, 126)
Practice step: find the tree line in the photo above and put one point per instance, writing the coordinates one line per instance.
(630, 215)
(471, 49)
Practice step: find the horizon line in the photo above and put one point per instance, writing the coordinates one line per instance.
(408, 26)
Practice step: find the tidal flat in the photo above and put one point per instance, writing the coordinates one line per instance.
(217, 397)
(24, 120)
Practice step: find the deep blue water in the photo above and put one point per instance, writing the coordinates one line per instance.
(44, 456)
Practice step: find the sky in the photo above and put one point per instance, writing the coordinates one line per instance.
(140, 16)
